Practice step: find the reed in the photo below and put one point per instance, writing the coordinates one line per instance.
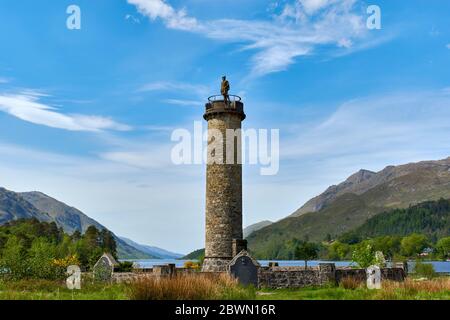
(189, 287)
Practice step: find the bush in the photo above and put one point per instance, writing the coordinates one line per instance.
(425, 270)
(413, 244)
(67, 261)
(41, 261)
(37, 263)
(189, 287)
(33, 249)
(364, 255)
(191, 265)
(125, 266)
(13, 262)
(443, 248)
(338, 251)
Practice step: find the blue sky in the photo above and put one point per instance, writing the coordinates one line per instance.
(86, 115)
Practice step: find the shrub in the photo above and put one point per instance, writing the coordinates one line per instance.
(67, 261)
(38, 262)
(125, 266)
(412, 245)
(338, 251)
(443, 248)
(364, 255)
(13, 262)
(191, 265)
(425, 270)
(41, 261)
(189, 287)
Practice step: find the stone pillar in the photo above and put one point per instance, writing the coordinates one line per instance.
(403, 265)
(238, 246)
(327, 273)
(172, 270)
(161, 271)
(223, 185)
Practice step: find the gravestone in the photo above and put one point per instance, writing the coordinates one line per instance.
(244, 268)
(104, 268)
(74, 280)
(373, 277)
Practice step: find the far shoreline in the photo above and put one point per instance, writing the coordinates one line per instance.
(441, 267)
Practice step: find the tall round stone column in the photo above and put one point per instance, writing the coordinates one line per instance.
(223, 187)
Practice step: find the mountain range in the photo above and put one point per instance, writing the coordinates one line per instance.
(27, 205)
(365, 194)
(255, 227)
(154, 251)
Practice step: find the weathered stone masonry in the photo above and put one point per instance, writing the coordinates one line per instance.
(223, 189)
(275, 277)
(298, 277)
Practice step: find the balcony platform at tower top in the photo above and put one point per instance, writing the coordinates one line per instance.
(216, 105)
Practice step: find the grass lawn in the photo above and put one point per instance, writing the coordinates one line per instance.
(437, 289)
(51, 290)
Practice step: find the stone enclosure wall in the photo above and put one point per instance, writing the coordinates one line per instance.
(299, 277)
(393, 274)
(277, 277)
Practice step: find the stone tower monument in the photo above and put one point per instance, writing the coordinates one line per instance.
(224, 236)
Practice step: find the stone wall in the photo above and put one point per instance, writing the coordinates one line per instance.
(277, 277)
(394, 274)
(357, 274)
(129, 276)
(164, 271)
(299, 277)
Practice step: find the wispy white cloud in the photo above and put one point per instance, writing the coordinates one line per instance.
(159, 128)
(300, 27)
(377, 127)
(26, 105)
(133, 19)
(4, 80)
(154, 9)
(154, 158)
(184, 103)
(312, 6)
(175, 87)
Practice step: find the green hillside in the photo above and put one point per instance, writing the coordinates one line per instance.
(345, 214)
(431, 218)
(195, 255)
(15, 206)
(347, 206)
